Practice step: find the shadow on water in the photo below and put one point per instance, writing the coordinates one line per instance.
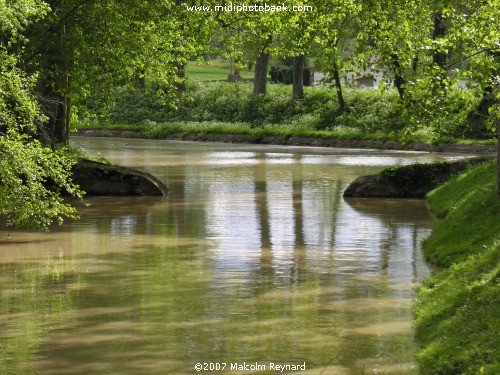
(403, 211)
(113, 206)
(8, 241)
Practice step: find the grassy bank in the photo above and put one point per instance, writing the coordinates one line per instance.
(457, 310)
(246, 132)
(276, 135)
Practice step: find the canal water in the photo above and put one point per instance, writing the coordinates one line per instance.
(253, 261)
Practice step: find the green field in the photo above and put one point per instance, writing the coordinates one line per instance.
(215, 70)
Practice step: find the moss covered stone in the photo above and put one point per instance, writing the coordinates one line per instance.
(97, 178)
(410, 181)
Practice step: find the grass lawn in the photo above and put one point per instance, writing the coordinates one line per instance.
(216, 70)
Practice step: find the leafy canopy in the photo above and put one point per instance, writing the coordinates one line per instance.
(32, 176)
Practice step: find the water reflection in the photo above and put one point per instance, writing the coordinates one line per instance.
(254, 256)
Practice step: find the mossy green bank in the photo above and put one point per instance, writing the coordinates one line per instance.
(457, 310)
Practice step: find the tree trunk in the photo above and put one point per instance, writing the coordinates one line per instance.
(61, 134)
(180, 84)
(62, 121)
(414, 64)
(439, 57)
(338, 85)
(261, 67)
(140, 81)
(180, 67)
(399, 80)
(298, 77)
(58, 109)
(56, 90)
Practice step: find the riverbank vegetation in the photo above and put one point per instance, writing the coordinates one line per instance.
(457, 309)
(32, 172)
(370, 111)
(228, 108)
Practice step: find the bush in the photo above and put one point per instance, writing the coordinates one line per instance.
(135, 107)
(284, 74)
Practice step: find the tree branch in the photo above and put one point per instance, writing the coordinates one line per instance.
(451, 65)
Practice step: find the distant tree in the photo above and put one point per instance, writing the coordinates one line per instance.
(251, 36)
(333, 40)
(298, 31)
(334, 29)
(393, 32)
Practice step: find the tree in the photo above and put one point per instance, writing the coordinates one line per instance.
(86, 45)
(32, 176)
(453, 41)
(295, 40)
(472, 40)
(253, 32)
(336, 31)
(393, 32)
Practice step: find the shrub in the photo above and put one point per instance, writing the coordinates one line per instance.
(284, 74)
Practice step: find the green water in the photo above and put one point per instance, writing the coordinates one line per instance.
(253, 260)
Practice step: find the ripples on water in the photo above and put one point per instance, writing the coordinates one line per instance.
(254, 256)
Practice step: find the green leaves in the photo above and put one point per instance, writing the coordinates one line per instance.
(16, 15)
(32, 178)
